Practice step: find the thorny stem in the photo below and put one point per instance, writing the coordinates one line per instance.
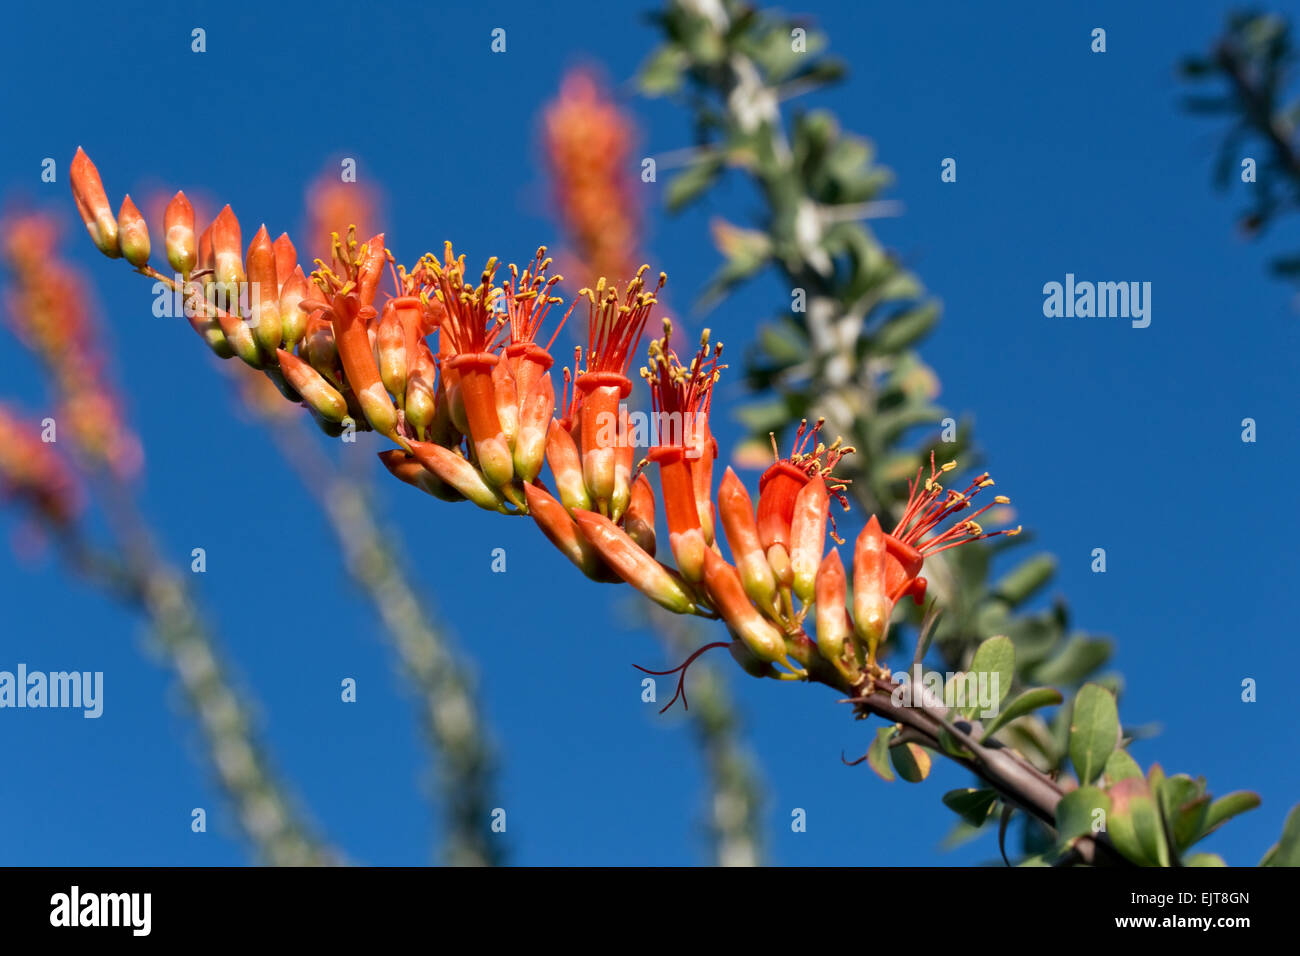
(1018, 782)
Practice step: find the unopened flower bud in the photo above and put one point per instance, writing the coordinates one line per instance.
(178, 229)
(92, 203)
(132, 234)
(632, 564)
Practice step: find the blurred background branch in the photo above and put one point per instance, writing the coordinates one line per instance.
(371, 553)
(49, 310)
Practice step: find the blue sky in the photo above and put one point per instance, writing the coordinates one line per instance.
(1106, 436)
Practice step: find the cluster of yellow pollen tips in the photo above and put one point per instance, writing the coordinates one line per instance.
(616, 322)
(678, 388)
(929, 505)
(821, 461)
(528, 299)
(340, 275)
(473, 321)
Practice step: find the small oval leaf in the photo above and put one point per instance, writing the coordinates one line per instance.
(1094, 731)
(912, 761)
(1030, 700)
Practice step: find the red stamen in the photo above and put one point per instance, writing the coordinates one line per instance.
(614, 329)
(930, 505)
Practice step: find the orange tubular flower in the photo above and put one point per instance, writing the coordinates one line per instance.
(872, 604)
(390, 345)
(808, 536)
(566, 465)
(887, 567)
(293, 320)
(323, 397)
(928, 506)
(422, 391)
(614, 328)
(778, 490)
(562, 531)
(639, 520)
(755, 631)
(527, 301)
(92, 203)
(632, 564)
(347, 307)
(833, 624)
(680, 396)
(459, 474)
(469, 333)
(351, 322)
(737, 513)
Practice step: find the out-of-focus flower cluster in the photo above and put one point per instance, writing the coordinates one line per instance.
(333, 205)
(48, 310)
(588, 143)
(32, 472)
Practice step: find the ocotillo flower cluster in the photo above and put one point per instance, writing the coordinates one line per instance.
(452, 369)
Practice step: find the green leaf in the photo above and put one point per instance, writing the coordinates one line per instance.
(1227, 807)
(1094, 731)
(691, 183)
(1075, 661)
(1021, 582)
(1120, 766)
(819, 74)
(1183, 803)
(912, 761)
(906, 328)
(878, 753)
(662, 73)
(1077, 814)
(763, 417)
(1204, 859)
(1029, 701)
(972, 805)
(1287, 850)
(995, 658)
